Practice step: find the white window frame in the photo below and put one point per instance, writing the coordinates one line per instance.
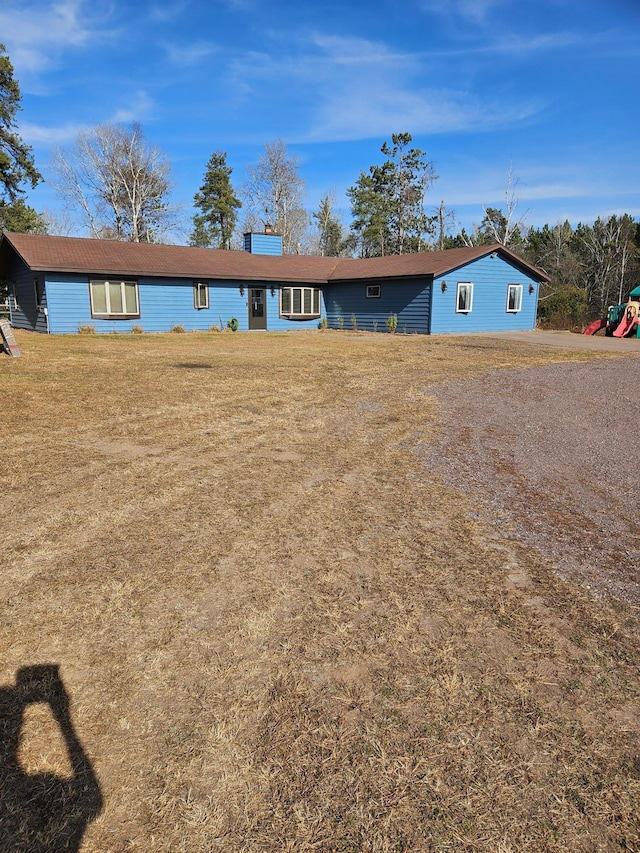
(109, 314)
(36, 294)
(373, 291)
(16, 303)
(517, 290)
(468, 306)
(199, 288)
(314, 297)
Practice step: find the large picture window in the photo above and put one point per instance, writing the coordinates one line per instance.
(464, 297)
(116, 300)
(299, 302)
(514, 298)
(201, 294)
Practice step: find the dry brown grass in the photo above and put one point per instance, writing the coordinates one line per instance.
(278, 633)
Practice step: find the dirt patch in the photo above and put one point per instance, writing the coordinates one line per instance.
(551, 454)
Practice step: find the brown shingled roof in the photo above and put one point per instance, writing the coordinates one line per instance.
(425, 263)
(106, 257)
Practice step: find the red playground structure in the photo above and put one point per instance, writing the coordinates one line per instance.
(622, 321)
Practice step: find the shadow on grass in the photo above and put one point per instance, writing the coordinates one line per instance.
(42, 812)
(193, 366)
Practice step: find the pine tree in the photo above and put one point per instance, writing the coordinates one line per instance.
(16, 160)
(329, 227)
(214, 225)
(388, 202)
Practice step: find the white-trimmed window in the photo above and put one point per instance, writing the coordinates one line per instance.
(16, 304)
(116, 300)
(200, 294)
(514, 298)
(36, 294)
(299, 302)
(373, 291)
(464, 297)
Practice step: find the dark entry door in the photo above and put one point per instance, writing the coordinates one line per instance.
(257, 308)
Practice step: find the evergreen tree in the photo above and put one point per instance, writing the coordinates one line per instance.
(16, 160)
(388, 202)
(370, 227)
(21, 218)
(498, 228)
(214, 225)
(329, 227)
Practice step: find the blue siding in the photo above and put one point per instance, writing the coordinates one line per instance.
(164, 303)
(410, 300)
(490, 278)
(263, 244)
(28, 312)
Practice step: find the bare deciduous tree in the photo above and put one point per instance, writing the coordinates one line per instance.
(505, 227)
(117, 182)
(607, 248)
(274, 194)
(445, 221)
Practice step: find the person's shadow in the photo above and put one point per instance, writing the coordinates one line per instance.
(43, 812)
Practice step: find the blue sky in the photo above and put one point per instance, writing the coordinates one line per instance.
(548, 87)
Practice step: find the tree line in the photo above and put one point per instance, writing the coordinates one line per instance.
(119, 187)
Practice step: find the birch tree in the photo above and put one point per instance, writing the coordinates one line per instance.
(606, 250)
(117, 183)
(274, 195)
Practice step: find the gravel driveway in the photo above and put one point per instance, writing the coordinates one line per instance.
(552, 453)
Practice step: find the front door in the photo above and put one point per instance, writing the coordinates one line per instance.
(257, 308)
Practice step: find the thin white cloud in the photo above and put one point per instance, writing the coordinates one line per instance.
(474, 11)
(353, 113)
(141, 107)
(39, 134)
(355, 51)
(518, 45)
(531, 184)
(237, 5)
(36, 34)
(497, 20)
(187, 55)
(166, 11)
(353, 89)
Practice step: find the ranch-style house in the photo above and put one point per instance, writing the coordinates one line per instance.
(62, 284)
